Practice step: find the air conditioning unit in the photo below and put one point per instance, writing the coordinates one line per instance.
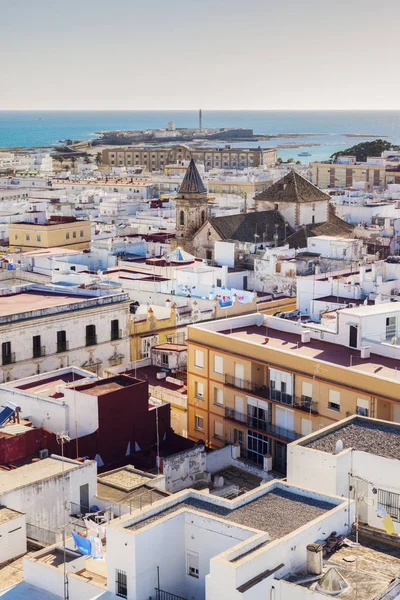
(43, 453)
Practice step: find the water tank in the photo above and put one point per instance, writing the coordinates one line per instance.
(314, 559)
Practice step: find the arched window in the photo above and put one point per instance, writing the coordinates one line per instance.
(182, 217)
(203, 217)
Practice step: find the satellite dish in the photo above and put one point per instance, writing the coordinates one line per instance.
(339, 446)
(260, 320)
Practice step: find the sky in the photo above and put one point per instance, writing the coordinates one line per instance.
(182, 54)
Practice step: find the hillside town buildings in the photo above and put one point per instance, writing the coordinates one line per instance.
(213, 362)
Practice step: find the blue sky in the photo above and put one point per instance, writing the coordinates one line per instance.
(150, 54)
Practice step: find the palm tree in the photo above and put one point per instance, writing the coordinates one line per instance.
(73, 161)
(86, 159)
(98, 159)
(60, 160)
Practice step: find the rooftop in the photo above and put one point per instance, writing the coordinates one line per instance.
(362, 434)
(317, 350)
(35, 472)
(293, 187)
(6, 514)
(36, 385)
(36, 300)
(278, 512)
(369, 569)
(107, 386)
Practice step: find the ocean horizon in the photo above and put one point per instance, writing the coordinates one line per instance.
(324, 131)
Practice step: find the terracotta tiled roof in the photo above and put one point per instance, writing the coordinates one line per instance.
(192, 182)
(292, 188)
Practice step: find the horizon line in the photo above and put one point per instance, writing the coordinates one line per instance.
(197, 109)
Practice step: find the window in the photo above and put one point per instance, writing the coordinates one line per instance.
(199, 390)
(16, 236)
(198, 422)
(219, 365)
(182, 217)
(81, 233)
(67, 235)
(7, 355)
(391, 503)
(61, 341)
(38, 238)
(218, 396)
(218, 430)
(121, 584)
(306, 392)
(91, 337)
(219, 282)
(199, 359)
(193, 564)
(238, 437)
(334, 400)
(257, 447)
(74, 234)
(390, 327)
(115, 332)
(146, 345)
(362, 407)
(36, 348)
(164, 359)
(28, 237)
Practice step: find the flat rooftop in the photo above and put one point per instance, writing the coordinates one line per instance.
(51, 383)
(7, 514)
(278, 512)
(125, 479)
(374, 437)
(35, 300)
(318, 350)
(34, 472)
(141, 496)
(106, 386)
(373, 572)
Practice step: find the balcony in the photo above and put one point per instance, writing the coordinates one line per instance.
(62, 346)
(91, 340)
(116, 334)
(261, 425)
(269, 393)
(8, 359)
(38, 351)
(247, 386)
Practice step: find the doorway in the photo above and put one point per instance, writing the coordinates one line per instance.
(353, 335)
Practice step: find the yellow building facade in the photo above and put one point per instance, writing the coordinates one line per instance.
(56, 233)
(331, 175)
(249, 391)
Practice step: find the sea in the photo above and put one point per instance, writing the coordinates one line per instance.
(321, 133)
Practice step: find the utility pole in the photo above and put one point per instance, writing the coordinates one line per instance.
(61, 439)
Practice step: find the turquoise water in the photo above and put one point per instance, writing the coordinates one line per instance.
(43, 128)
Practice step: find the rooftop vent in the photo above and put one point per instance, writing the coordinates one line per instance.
(305, 336)
(332, 583)
(365, 352)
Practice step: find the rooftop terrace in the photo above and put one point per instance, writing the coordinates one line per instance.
(374, 437)
(278, 512)
(317, 350)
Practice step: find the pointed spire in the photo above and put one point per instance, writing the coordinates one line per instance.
(192, 182)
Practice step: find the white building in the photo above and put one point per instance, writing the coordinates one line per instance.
(222, 549)
(43, 328)
(47, 492)
(357, 459)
